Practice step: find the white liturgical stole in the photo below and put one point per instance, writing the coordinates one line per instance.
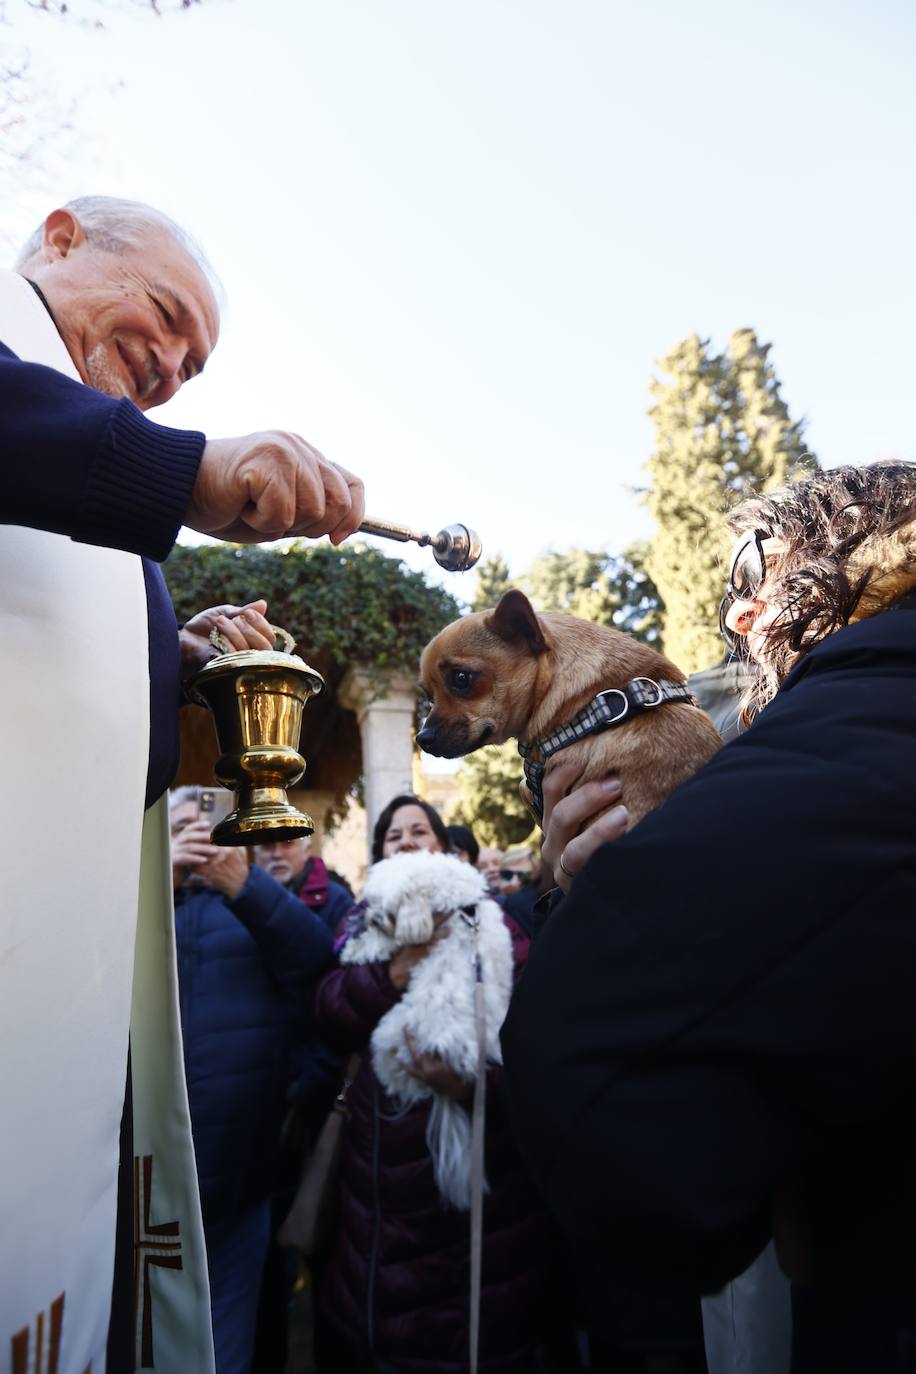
(74, 746)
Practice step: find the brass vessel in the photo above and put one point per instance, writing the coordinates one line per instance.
(257, 697)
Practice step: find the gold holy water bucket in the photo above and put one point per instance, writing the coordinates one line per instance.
(257, 697)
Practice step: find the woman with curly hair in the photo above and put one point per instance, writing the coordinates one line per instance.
(715, 1037)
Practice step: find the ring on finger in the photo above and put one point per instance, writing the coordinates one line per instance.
(563, 866)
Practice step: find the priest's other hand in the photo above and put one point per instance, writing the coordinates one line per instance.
(242, 627)
(576, 823)
(272, 484)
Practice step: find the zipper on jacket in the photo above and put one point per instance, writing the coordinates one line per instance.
(377, 1218)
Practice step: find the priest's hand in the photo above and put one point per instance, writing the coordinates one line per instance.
(226, 870)
(268, 485)
(576, 823)
(242, 627)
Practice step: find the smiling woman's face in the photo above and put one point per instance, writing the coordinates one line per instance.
(409, 832)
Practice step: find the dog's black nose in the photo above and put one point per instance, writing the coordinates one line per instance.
(426, 738)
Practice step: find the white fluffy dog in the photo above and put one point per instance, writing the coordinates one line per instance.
(403, 894)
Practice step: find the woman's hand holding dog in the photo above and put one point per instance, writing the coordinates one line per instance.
(401, 964)
(570, 835)
(433, 1070)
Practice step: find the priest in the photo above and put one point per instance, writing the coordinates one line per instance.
(109, 310)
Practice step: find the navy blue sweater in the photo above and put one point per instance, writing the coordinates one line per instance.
(79, 463)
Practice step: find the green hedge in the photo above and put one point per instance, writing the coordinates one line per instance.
(346, 605)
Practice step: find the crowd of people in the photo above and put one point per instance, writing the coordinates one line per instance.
(696, 1150)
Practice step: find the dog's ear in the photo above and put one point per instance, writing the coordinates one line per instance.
(515, 621)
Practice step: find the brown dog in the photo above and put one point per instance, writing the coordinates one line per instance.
(510, 673)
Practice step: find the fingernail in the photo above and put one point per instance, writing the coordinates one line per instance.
(620, 815)
(612, 787)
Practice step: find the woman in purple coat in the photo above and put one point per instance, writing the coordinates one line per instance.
(397, 1285)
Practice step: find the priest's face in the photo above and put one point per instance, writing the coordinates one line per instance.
(137, 323)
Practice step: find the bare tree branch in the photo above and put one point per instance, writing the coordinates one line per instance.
(37, 125)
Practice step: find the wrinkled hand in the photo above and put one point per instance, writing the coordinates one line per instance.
(268, 485)
(402, 964)
(571, 831)
(226, 869)
(191, 847)
(242, 627)
(432, 1070)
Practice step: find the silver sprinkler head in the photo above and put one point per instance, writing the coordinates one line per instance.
(456, 548)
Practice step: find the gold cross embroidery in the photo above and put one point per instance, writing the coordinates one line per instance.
(159, 1245)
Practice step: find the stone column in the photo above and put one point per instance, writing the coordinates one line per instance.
(387, 724)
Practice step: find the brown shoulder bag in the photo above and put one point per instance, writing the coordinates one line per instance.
(311, 1217)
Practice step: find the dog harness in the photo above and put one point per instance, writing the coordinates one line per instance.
(607, 709)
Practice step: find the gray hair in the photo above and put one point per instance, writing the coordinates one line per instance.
(112, 225)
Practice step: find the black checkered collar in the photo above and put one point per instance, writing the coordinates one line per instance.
(607, 709)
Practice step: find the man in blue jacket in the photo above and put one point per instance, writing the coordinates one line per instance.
(248, 950)
(715, 1038)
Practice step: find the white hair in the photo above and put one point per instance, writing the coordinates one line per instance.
(112, 225)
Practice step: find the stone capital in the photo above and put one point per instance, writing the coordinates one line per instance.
(358, 691)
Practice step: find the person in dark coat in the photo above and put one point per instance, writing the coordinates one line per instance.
(313, 1079)
(715, 1037)
(248, 951)
(397, 1285)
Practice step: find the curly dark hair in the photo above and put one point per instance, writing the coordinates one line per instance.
(821, 521)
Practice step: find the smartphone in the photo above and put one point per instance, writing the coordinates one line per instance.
(213, 804)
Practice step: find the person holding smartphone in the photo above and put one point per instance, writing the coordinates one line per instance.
(248, 950)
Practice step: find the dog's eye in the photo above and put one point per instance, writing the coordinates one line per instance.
(460, 680)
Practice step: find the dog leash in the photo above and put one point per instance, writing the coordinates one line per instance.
(478, 1123)
(607, 709)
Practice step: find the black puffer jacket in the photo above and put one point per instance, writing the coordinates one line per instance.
(728, 995)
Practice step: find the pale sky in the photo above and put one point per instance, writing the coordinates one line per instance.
(455, 237)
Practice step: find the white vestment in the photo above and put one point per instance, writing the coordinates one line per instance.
(74, 744)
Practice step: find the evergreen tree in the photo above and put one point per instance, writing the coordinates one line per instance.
(607, 589)
(489, 801)
(574, 583)
(638, 608)
(722, 431)
(493, 578)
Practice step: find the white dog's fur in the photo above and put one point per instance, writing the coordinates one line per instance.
(403, 894)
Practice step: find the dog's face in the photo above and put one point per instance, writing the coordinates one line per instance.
(483, 675)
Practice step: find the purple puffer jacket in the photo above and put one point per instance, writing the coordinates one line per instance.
(397, 1285)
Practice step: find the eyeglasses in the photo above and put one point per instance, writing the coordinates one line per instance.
(746, 576)
(507, 874)
(749, 568)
